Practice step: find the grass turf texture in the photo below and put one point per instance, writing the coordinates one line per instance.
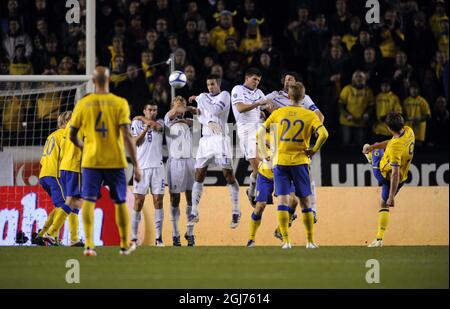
(226, 267)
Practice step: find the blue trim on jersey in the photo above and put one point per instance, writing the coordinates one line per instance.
(248, 88)
(66, 209)
(76, 211)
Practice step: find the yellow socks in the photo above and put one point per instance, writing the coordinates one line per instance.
(48, 222)
(255, 222)
(383, 220)
(88, 223)
(58, 221)
(123, 224)
(73, 225)
(308, 222)
(283, 221)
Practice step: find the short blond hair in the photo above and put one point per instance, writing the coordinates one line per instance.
(64, 118)
(178, 99)
(296, 92)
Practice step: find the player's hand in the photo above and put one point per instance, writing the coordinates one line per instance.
(390, 202)
(366, 149)
(137, 174)
(192, 99)
(309, 152)
(215, 127)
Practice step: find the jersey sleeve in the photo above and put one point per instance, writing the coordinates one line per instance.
(237, 95)
(167, 122)
(136, 128)
(315, 122)
(76, 119)
(271, 95)
(309, 104)
(124, 113)
(395, 154)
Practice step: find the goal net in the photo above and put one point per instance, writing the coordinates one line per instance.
(28, 115)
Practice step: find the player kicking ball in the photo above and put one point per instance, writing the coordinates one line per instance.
(390, 162)
(180, 164)
(104, 118)
(214, 146)
(294, 127)
(148, 133)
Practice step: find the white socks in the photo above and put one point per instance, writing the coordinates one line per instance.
(312, 199)
(234, 195)
(135, 219)
(189, 227)
(197, 190)
(175, 217)
(159, 217)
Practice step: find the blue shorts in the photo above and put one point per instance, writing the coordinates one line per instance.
(113, 178)
(264, 189)
(52, 186)
(385, 184)
(298, 175)
(71, 183)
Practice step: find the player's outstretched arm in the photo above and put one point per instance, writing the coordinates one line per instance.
(242, 108)
(74, 137)
(131, 150)
(380, 145)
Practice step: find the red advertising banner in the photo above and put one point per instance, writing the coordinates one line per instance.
(25, 209)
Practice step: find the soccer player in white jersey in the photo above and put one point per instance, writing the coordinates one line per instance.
(247, 102)
(180, 165)
(148, 134)
(281, 99)
(214, 146)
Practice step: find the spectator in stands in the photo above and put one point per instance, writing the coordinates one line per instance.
(267, 47)
(172, 39)
(432, 78)
(402, 73)
(252, 41)
(162, 28)
(193, 85)
(66, 66)
(269, 77)
(150, 73)
(356, 104)
(180, 59)
(233, 72)
(12, 12)
(351, 37)
(4, 66)
(50, 57)
(248, 11)
(70, 40)
(81, 65)
(416, 38)
(116, 49)
(137, 32)
(385, 102)
(156, 46)
(81, 48)
(223, 30)
(189, 37)
(205, 69)
(14, 37)
(438, 126)
(389, 36)
(118, 72)
(231, 53)
(134, 89)
(417, 112)
(364, 41)
(335, 41)
(203, 49)
(437, 17)
(340, 21)
(162, 11)
(225, 84)
(41, 35)
(161, 96)
(193, 13)
(318, 39)
(371, 68)
(20, 65)
(443, 37)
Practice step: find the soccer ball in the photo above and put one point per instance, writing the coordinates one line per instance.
(177, 79)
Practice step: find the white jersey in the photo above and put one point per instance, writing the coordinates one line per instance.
(178, 137)
(149, 153)
(245, 95)
(213, 108)
(281, 99)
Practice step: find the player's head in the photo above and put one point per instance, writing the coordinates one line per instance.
(359, 79)
(395, 122)
(101, 78)
(289, 78)
(63, 119)
(150, 110)
(252, 78)
(296, 92)
(213, 83)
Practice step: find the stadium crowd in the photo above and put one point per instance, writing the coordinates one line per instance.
(355, 72)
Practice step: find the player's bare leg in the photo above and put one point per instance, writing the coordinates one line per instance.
(252, 186)
(175, 217)
(233, 187)
(136, 216)
(159, 218)
(308, 221)
(255, 222)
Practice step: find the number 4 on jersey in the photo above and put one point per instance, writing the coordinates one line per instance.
(103, 130)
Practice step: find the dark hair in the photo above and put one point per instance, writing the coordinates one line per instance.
(291, 73)
(213, 76)
(395, 121)
(253, 71)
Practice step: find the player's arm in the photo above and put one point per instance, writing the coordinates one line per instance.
(322, 135)
(130, 146)
(395, 180)
(320, 115)
(73, 135)
(380, 145)
(139, 139)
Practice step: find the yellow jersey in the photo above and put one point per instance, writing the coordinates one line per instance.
(385, 103)
(265, 166)
(399, 152)
(356, 101)
(218, 36)
(294, 127)
(99, 117)
(416, 108)
(70, 154)
(51, 155)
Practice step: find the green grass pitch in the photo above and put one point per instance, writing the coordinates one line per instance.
(226, 267)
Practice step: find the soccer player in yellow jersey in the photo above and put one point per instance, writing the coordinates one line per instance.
(70, 175)
(294, 127)
(104, 118)
(390, 162)
(48, 176)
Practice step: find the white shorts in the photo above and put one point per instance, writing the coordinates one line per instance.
(180, 174)
(247, 139)
(153, 179)
(215, 150)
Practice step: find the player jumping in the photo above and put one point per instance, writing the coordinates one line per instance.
(390, 163)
